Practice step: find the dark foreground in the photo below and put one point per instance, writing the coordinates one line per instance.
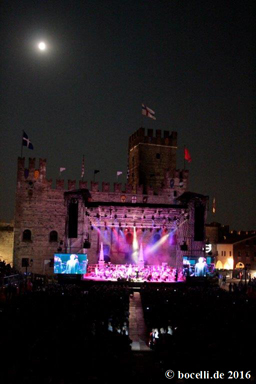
(68, 334)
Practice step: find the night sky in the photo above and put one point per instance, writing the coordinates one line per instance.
(190, 61)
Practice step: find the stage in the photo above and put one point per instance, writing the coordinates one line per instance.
(133, 273)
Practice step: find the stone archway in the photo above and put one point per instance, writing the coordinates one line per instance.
(240, 265)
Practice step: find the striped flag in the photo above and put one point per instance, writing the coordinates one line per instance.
(82, 172)
(148, 112)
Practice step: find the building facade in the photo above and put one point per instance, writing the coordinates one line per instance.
(232, 249)
(154, 214)
(6, 242)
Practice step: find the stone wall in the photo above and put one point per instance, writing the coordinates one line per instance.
(6, 242)
(40, 209)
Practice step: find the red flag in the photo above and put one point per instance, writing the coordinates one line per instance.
(187, 155)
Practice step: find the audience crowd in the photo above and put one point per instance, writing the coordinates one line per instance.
(78, 333)
(65, 334)
(206, 323)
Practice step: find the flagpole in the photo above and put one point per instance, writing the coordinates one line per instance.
(184, 159)
(21, 153)
(83, 169)
(142, 116)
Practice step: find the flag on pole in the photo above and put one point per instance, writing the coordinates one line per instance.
(96, 171)
(187, 155)
(119, 173)
(62, 169)
(82, 172)
(26, 142)
(214, 205)
(148, 112)
(128, 173)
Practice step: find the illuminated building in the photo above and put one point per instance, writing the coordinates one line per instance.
(159, 218)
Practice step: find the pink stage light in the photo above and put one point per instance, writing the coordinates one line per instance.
(153, 248)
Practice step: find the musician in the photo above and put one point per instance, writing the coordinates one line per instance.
(72, 265)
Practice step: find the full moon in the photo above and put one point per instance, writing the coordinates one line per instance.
(42, 46)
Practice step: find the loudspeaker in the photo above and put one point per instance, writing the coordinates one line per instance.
(184, 246)
(25, 262)
(87, 244)
(199, 223)
(72, 219)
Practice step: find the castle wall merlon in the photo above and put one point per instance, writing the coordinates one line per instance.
(60, 184)
(150, 191)
(173, 138)
(117, 187)
(71, 185)
(94, 186)
(139, 190)
(48, 183)
(128, 188)
(21, 163)
(105, 187)
(185, 173)
(42, 168)
(31, 164)
(83, 184)
(20, 169)
(160, 138)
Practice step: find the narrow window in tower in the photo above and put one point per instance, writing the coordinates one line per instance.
(53, 237)
(158, 155)
(26, 235)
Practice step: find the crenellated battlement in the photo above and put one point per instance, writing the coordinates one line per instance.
(28, 172)
(173, 180)
(165, 138)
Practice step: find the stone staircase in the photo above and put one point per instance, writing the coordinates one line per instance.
(137, 328)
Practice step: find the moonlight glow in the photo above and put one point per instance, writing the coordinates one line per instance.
(42, 46)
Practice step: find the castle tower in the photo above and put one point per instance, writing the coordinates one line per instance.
(150, 157)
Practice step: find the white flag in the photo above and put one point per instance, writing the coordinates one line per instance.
(119, 173)
(62, 169)
(148, 112)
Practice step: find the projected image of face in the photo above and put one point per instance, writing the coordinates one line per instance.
(72, 264)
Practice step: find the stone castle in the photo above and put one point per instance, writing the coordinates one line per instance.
(155, 201)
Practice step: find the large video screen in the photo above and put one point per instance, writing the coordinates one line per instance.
(70, 263)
